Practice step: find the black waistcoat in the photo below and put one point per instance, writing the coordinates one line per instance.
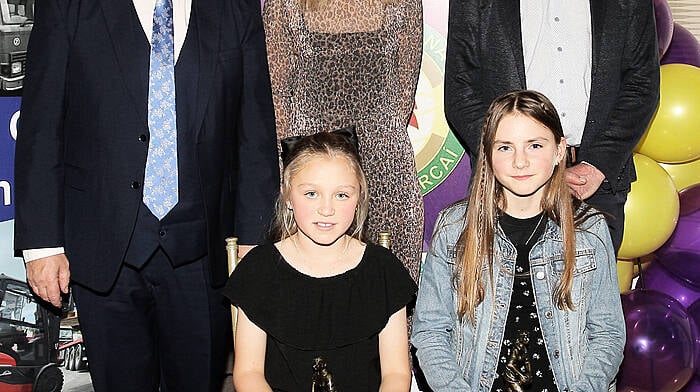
(182, 232)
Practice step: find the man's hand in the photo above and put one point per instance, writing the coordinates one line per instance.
(584, 179)
(48, 277)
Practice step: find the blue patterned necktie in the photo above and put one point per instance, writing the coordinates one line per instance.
(160, 193)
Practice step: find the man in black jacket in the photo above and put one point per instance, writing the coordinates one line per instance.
(596, 60)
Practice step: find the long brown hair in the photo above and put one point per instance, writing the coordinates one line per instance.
(487, 198)
(324, 144)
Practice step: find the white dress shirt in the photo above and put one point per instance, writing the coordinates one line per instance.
(557, 50)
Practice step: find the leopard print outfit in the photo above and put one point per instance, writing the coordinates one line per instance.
(356, 62)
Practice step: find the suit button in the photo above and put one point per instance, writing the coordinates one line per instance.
(162, 232)
(143, 138)
(135, 185)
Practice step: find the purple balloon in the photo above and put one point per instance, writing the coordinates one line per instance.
(683, 265)
(658, 278)
(681, 253)
(664, 25)
(684, 48)
(694, 313)
(659, 347)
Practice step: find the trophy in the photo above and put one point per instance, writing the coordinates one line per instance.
(518, 371)
(384, 239)
(321, 378)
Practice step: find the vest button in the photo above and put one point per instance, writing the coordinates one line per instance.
(143, 138)
(135, 185)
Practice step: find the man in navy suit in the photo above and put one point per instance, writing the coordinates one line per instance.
(145, 282)
(597, 60)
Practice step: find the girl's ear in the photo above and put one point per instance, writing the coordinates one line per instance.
(557, 158)
(561, 152)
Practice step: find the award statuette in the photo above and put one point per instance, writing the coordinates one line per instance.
(321, 378)
(518, 372)
(384, 239)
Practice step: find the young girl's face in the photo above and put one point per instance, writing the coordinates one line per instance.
(323, 196)
(523, 158)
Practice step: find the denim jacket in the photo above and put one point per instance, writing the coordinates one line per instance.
(584, 346)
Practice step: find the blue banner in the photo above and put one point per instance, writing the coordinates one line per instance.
(9, 113)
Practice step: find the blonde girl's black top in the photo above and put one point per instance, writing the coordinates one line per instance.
(338, 318)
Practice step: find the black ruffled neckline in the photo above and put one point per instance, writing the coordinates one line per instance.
(327, 313)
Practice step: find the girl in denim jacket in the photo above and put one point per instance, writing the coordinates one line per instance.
(519, 291)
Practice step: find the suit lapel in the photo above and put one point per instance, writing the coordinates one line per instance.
(598, 10)
(509, 17)
(187, 79)
(207, 15)
(131, 49)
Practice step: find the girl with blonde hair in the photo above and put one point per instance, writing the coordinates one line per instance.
(340, 63)
(318, 294)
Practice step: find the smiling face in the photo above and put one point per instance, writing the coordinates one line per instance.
(523, 157)
(323, 196)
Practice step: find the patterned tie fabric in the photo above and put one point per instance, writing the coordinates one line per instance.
(160, 193)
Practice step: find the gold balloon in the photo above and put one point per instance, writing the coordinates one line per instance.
(627, 270)
(651, 211)
(625, 274)
(683, 174)
(674, 133)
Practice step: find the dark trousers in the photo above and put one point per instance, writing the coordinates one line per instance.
(613, 205)
(159, 329)
(605, 200)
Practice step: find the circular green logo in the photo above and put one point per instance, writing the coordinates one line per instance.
(436, 148)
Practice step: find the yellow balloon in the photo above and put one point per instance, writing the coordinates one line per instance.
(683, 174)
(674, 133)
(651, 211)
(625, 274)
(627, 270)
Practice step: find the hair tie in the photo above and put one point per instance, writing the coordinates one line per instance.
(350, 134)
(288, 144)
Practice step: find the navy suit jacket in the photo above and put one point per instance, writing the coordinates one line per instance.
(82, 144)
(485, 60)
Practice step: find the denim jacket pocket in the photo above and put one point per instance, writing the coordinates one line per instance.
(452, 251)
(585, 266)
